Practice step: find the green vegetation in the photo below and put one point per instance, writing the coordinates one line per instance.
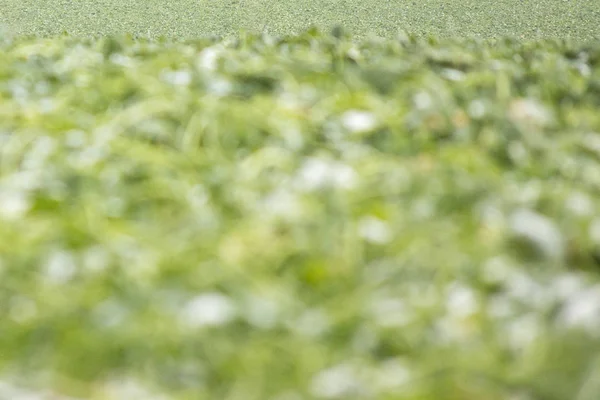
(300, 218)
(529, 19)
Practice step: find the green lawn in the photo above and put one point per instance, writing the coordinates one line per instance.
(301, 218)
(249, 209)
(528, 19)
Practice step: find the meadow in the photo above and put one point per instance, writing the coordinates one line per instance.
(299, 213)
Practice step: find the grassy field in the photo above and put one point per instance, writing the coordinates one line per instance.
(249, 209)
(189, 19)
(301, 218)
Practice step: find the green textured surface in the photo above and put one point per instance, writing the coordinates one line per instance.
(190, 19)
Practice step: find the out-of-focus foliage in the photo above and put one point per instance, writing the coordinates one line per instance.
(300, 218)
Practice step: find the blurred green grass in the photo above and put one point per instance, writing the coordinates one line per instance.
(303, 217)
(577, 19)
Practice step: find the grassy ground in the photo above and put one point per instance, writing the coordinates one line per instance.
(184, 18)
(303, 218)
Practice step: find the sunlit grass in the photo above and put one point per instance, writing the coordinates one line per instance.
(577, 19)
(310, 217)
